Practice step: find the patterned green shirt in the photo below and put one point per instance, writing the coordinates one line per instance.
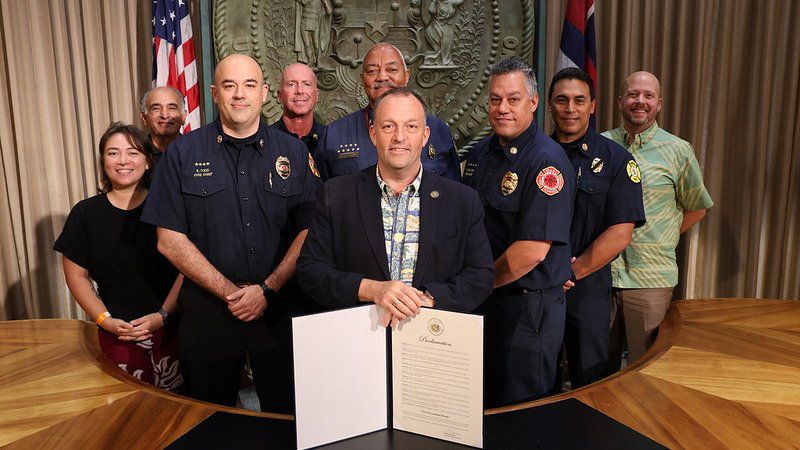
(401, 228)
(671, 183)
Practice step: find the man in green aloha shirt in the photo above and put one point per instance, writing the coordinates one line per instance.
(675, 198)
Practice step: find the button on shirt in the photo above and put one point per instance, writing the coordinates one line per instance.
(347, 148)
(241, 202)
(527, 189)
(311, 139)
(401, 222)
(671, 183)
(609, 189)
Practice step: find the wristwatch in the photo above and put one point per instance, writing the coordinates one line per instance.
(164, 316)
(268, 292)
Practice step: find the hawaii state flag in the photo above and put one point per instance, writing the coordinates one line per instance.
(577, 39)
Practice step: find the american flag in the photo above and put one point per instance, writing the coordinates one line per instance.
(577, 39)
(173, 55)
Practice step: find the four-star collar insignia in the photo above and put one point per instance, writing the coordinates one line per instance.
(283, 167)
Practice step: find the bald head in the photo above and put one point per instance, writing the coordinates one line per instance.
(642, 76)
(298, 92)
(239, 91)
(383, 69)
(639, 102)
(235, 63)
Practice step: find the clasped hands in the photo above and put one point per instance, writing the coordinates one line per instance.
(247, 303)
(137, 330)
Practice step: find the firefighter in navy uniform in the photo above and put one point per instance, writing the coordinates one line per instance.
(232, 202)
(526, 185)
(608, 205)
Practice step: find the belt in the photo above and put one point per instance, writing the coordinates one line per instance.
(507, 290)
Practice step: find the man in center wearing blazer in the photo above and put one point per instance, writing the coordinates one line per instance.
(394, 234)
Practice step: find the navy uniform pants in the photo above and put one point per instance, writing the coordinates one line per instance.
(586, 332)
(213, 345)
(523, 335)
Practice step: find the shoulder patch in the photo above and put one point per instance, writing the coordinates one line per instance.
(312, 165)
(550, 180)
(633, 171)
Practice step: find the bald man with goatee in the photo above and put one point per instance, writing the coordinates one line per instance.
(232, 202)
(675, 198)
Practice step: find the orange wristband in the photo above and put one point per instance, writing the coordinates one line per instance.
(100, 318)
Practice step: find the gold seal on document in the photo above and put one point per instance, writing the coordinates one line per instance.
(435, 326)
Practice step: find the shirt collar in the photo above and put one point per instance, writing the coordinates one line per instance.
(257, 141)
(316, 129)
(411, 189)
(584, 145)
(639, 140)
(515, 147)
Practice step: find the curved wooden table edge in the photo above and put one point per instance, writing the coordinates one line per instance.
(668, 331)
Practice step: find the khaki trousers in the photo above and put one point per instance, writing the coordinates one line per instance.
(642, 311)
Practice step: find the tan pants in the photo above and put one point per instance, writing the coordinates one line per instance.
(642, 310)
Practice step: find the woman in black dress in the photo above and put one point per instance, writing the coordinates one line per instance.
(137, 288)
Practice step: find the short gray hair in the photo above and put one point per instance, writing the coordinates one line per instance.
(181, 102)
(512, 65)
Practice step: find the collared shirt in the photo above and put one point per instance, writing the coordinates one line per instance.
(609, 188)
(401, 222)
(241, 202)
(311, 139)
(527, 189)
(347, 148)
(672, 183)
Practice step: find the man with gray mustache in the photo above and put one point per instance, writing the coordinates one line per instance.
(346, 146)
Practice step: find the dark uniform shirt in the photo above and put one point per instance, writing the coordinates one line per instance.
(240, 201)
(311, 139)
(347, 148)
(609, 189)
(527, 189)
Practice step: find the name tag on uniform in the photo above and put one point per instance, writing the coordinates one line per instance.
(469, 170)
(347, 151)
(202, 169)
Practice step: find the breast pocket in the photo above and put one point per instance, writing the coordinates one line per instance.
(590, 205)
(280, 196)
(205, 201)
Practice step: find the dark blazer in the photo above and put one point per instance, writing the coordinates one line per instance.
(345, 243)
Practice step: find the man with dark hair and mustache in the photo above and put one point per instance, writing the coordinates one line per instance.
(163, 113)
(298, 94)
(675, 198)
(347, 148)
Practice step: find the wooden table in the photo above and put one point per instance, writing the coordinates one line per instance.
(724, 373)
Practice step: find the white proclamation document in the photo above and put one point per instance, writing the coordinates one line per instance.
(437, 376)
(339, 375)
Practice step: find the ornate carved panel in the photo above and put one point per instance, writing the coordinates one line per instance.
(448, 45)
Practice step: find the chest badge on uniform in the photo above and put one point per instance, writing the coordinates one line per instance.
(597, 165)
(509, 183)
(431, 151)
(550, 180)
(633, 172)
(312, 165)
(283, 167)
